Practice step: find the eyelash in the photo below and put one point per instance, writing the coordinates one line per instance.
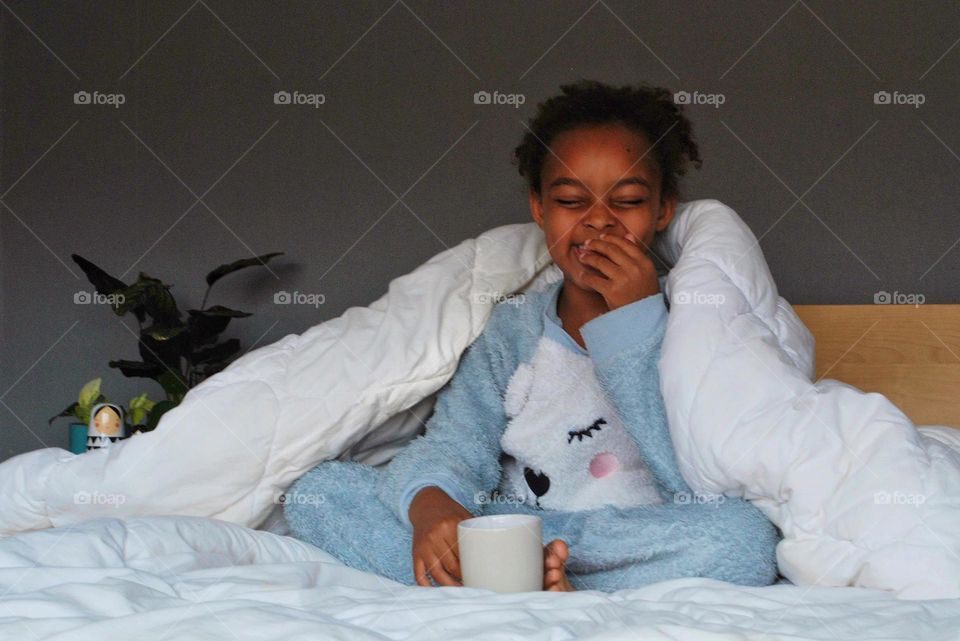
(579, 434)
(629, 203)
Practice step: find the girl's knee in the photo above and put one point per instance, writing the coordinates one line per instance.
(328, 489)
(335, 479)
(749, 546)
(335, 507)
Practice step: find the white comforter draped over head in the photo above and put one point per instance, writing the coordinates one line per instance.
(736, 375)
(862, 498)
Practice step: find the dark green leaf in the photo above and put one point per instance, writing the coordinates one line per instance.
(103, 282)
(229, 268)
(69, 411)
(153, 418)
(134, 369)
(164, 333)
(154, 297)
(106, 284)
(173, 384)
(205, 329)
(168, 352)
(207, 324)
(220, 310)
(219, 352)
(214, 368)
(164, 345)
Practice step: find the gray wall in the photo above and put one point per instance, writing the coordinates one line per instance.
(877, 182)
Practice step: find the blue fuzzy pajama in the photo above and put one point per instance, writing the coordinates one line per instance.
(360, 514)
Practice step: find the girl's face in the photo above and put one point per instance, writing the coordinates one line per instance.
(598, 179)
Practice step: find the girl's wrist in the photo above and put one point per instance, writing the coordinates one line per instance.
(432, 501)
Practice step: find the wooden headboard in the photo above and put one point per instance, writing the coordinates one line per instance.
(911, 354)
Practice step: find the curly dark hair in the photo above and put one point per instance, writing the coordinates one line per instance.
(648, 110)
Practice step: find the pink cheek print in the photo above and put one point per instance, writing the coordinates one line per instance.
(604, 464)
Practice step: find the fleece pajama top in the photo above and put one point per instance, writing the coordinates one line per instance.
(533, 423)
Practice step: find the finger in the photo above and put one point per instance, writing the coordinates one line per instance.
(450, 562)
(636, 248)
(453, 563)
(639, 254)
(439, 574)
(552, 578)
(452, 568)
(560, 548)
(601, 263)
(636, 242)
(551, 560)
(596, 282)
(619, 250)
(420, 572)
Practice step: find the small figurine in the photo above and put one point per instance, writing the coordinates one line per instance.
(106, 426)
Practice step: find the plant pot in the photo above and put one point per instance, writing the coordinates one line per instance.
(78, 437)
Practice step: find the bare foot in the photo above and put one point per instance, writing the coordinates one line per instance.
(555, 555)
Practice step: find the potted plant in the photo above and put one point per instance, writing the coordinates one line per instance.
(177, 353)
(80, 410)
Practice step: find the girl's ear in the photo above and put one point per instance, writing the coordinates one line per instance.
(668, 207)
(536, 207)
(518, 390)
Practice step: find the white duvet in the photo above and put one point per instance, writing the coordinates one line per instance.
(862, 498)
(192, 578)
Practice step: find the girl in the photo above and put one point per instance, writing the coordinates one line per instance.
(556, 406)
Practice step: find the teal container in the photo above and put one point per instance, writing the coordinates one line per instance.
(78, 438)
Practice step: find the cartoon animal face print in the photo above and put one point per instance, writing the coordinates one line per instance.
(566, 447)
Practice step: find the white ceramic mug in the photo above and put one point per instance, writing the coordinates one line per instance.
(502, 552)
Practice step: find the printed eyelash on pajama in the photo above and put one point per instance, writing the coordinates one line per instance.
(579, 434)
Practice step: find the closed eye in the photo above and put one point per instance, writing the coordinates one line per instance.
(579, 434)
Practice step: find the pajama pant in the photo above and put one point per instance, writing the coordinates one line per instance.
(335, 507)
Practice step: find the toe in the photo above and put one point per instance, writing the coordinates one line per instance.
(551, 559)
(557, 551)
(561, 549)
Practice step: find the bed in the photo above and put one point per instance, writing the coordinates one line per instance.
(135, 575)
(189, 577)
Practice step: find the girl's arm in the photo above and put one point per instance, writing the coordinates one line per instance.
(460, 451)
(624, 345)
